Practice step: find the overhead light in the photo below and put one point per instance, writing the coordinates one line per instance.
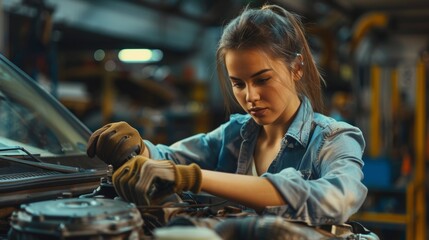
(99, 55)
(140, 55)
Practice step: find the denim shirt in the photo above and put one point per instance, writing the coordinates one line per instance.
(318, 169)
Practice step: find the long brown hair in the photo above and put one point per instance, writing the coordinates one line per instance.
(281, 34)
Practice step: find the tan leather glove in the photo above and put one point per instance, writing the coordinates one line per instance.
(114, 143)
(144, 181)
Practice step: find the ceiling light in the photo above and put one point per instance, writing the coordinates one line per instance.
(140, 55)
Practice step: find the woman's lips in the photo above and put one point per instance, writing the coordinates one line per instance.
(257, 112)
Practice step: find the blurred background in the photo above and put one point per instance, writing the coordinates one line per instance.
(374, 56)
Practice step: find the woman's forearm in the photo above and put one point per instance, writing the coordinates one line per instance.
(251, 191)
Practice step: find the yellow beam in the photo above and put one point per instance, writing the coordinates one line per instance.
(374, 135)
(365, 24)
(420, 140)
(376, 217)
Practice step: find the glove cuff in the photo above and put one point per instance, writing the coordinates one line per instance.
(188, 178)
(142, 147)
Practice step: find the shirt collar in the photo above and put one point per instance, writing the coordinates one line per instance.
(299, 130)
(249, 128)
(301, 125)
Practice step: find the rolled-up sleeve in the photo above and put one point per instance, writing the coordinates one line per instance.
(336, 190)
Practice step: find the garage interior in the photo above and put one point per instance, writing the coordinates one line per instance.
(374, 56)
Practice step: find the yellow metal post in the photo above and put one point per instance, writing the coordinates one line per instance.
(420, 165)
(375, 142)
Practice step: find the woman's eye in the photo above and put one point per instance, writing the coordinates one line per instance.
(262, 80)
(237, 84)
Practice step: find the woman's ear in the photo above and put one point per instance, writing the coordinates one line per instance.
(297, 67)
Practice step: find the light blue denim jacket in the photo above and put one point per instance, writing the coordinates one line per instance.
(318, 170)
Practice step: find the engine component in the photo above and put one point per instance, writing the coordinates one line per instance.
(76, 218)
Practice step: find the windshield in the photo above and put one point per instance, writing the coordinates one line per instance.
(33, 119)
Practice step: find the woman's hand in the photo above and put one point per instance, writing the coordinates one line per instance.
(115, 143)
(143, 181)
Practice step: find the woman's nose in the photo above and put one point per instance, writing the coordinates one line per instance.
(252, 94)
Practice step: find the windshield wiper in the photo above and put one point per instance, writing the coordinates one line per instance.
(21, 149)
(36, 162)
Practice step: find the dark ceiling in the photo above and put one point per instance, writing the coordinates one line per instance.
(175, 25)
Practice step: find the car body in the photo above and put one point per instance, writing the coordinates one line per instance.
(42, 146)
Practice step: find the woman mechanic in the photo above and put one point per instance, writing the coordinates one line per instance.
(283, 156)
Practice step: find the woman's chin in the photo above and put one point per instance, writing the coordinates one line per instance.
(261, 121)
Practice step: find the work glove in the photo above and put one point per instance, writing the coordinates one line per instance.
(115, 143)
(144, 181)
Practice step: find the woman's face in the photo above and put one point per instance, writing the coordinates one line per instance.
(264, 87)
